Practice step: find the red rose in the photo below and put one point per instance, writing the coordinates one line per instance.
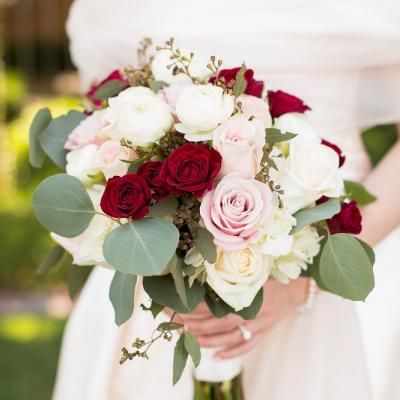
(282, 103)
(113, 76)
(126, 196)
(191, 169)
(150, 171)
(338, 151)
(253, 88)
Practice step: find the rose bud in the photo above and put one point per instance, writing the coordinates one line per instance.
(253, 88)
(281, 103)
(191, 169)
(342, 157)
(150, 171)
(126, 196)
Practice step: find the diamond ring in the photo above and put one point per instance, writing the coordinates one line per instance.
(246, 333)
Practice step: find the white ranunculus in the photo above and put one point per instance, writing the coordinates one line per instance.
(159, 67)
(139, 115)
(310, 171)
(81, 163)
(237, 276)
(87, 248)
(305, 247)
(200, 109)
(277, 240)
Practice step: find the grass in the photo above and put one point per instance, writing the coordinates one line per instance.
(29, 349)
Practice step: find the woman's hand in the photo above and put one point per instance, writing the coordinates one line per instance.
(279, 301)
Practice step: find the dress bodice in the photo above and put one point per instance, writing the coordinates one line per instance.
(342, 58)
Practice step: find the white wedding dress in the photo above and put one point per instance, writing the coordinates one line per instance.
(343, 59)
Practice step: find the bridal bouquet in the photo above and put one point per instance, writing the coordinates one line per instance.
(204, 185)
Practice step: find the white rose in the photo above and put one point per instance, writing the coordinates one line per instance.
(304, 248)
(139, 115)
(159, 67)
(237, 276)
(109, 158)
(277, 240)
(170, 94)
(309, 172)
(87, 248)
(256, 108)
(200, 109)
(240, 143)
(297, 123)
(81, 163)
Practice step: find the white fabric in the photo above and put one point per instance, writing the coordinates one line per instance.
(343, 59)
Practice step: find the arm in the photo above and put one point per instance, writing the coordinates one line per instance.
(382, 216)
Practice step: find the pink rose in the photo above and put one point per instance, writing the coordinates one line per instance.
(235, 211)
(85, 133)
(171, 93)
(256, 108)
(109, 156)
(240, 143)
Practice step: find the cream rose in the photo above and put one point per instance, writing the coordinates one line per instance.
(81, 163)
(139, 115)
(240, 143)
(309, 172)
(200, 109)
(237, 276)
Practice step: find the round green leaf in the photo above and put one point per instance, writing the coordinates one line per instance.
(345, 267)
(39, 124)
(62, 205)
(141, 247)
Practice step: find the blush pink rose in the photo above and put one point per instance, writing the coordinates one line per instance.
(109, 156)
(240, 143)
(235, 211)
(253, 107)
(86, 132)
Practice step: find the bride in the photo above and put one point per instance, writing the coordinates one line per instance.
(343, 59)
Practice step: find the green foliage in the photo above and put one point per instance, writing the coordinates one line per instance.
(141, 247)
(318, 213)
(164, 207)
(54, 136)
(77, 278)
(154, 308)
(378, 141)
(156, 86)
(121, 295)
(252, 311)
(180, 358)
(169, 326)
(53, 258)
(274, 135)
(192, 347)
(240, 82)
(109, 89)
(62, 205)
(204, 242)
(176, 269)
(356, 191)
(39, 124)
(345, 267)
(161, 289)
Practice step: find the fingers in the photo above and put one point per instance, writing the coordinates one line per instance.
(210, 326)
(240, 349)
(228, 339)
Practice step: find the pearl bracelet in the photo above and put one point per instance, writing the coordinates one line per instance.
(312, 292)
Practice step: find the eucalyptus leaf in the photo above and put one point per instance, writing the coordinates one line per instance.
(180, 358)
(218, 308)
(109, 89)
(141, 247)
(169, 326)
(345, 268)
(176, 269)
(356, 191)
(192, 347)
(164, 207)
(274, 135)
(368, 249)
(155, 308)
(40, 121)
(62, 205)
(204, 242)
(252, 311)
(318, 213)
(121, 295)
(77, 278)
(240, 82)
(161, 289)
(52, 139)
(313, 268)
(156, 86)
(52, 259)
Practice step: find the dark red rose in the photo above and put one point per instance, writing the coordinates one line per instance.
(348, 220)
(113, 76)
(253, 88)
(191, 169)
(337, 149)
(126, 196)
(150, 171)
(281, 103)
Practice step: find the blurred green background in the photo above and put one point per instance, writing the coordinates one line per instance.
(36, 71)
